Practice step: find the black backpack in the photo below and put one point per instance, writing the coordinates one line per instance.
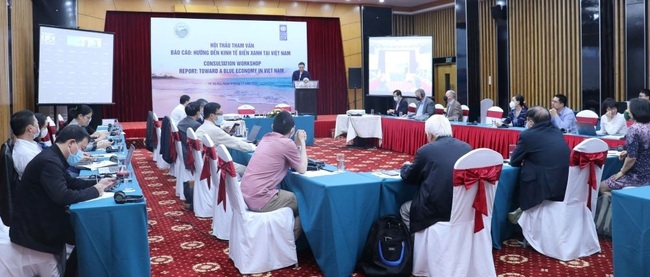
(388, 250)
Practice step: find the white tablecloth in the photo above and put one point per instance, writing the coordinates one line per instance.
(366, 126)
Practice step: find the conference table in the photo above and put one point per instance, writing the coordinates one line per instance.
(363, 126)
(407, 135)
(630, 229)
(111, 239)
(304, 122)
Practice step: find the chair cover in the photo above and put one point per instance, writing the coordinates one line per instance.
(204, 195)
(282, 107)
(220, 171)
(51, 129)
(463, 246)
(173, 132)
(412, 109)
(246, 109)
(182, 174)
(259, 242)
(61, 121)
(156, 152)
(465, 109)
(494, 114)
(485, 105)
(566, 230)
(439, 109)
(587, 116)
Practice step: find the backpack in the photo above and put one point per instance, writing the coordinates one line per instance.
(389, 249)
(604, 216)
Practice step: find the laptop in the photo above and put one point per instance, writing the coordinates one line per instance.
(586, 129)
(113, 169)
(252, 135)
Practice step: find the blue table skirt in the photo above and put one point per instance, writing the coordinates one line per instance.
(631, 231)
(304, 122)
(112, 238)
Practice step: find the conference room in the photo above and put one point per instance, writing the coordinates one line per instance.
(370, 87)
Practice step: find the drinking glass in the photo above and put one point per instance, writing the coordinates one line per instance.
(340, 162)
(123, 173)
(372, 111)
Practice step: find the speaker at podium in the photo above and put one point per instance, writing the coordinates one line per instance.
(306, 97)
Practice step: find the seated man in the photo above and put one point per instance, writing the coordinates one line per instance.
(432, 169)
(562, 116)
(544, 164)
(454, 108)
(425, 106)
(401, 106)
(25, 127)
(213, 117)
(40, 225)
(270, 164)
(190, 121)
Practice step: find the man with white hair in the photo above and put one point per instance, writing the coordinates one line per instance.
(432, 169)
(454, 109)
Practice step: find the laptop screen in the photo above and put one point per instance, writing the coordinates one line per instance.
(129, 155)
(252, 135)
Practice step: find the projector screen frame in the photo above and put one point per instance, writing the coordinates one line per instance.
(38, 68)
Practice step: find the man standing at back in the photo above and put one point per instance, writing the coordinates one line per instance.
(543, 155)
(178, 113)
(432, 169)
(270, 164)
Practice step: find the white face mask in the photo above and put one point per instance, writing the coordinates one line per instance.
(513, 105)
(395, 98)
(43, 133)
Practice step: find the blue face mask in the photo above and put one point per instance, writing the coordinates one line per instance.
(219, 120)
(73, 159)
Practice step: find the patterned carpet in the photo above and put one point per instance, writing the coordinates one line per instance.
(182, 245)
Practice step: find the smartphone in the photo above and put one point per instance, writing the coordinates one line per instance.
(234, 128)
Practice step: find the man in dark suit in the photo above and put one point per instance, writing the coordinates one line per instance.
(401, 106)
(191, 121)
(425, 106)
(432, 169)
(543, 155)
(301, 74)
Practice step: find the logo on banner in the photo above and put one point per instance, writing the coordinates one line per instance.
(283, 32)
(181, 30)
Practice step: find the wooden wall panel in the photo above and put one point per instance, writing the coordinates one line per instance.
(403, 25)
(92, 14)
(5, 130)
(440, 24)
(619, 51)
(22, 49)
(488, 50)
(545, 50)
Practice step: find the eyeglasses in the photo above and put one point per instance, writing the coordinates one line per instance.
(219, 113)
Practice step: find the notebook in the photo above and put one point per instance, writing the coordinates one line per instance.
(586, 129)
(115, 168)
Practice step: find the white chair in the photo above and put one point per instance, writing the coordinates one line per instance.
(51, 128)
(246, 109)
(485, 105)
(439, 109)
(566, 230)
(457, 247)
(282, 107)
(61, 121)
(412, 108)
(181, 173)
(465, 109)
(494, 114)
(222, 218)
(259, 242)
(587, 116)
(203, 195)
(173, 167)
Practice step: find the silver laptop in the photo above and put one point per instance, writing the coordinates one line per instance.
(252, 135)
(586, 129)
(114, 168)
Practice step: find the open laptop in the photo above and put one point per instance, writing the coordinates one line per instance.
(252, 135)
(586, 129)
(113, 169)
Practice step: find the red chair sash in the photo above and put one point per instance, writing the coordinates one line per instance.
(210, 153)
(224, 168)
(467, 178)
(494, 114)
(61, 124)
(590, 120)
(465, 112)
(589, 159)
(51, 130)
(46, 138)
(440, 111)
(175, 136)
(192, 144)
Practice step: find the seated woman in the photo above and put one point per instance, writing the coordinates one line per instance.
(612, 122)
(42, 125)
(636, 168)
(517, 114)
(82, 115)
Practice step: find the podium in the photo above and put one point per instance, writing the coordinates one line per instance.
(306, 97)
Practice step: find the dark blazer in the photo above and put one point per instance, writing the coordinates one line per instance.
(296, 75)
(402, 107)
(519, 121)
(165, 139)
(432, 169)
(150, 140)
(183, 125)
(40, 220)
(543, 155)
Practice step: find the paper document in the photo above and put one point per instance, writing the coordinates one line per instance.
(105, 195)
(317, 173)
(614, 137)
(393, 174)
(95, 166)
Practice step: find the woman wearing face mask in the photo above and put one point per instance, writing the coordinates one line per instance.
(42, 124)
(82, 115)
(517, 114)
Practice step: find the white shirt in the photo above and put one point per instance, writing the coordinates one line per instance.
(617, 126)
(219, 136)
(178, 113)
(24, 152)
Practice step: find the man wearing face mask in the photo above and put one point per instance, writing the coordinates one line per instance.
(401, 107)
(213, 117)
(25, 127)
(544, 165)
(425, 106)
(40, 225)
